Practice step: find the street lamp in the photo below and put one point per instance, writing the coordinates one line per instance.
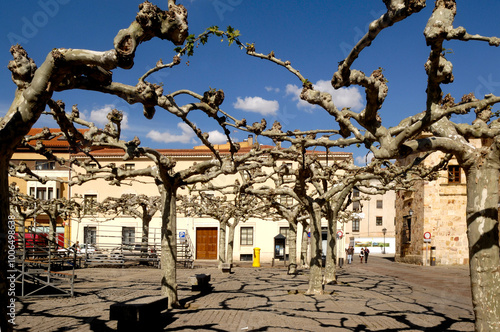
(384, 230)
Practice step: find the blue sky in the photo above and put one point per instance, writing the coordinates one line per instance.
(314, 37)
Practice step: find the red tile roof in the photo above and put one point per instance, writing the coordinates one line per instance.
(61, 143)
(58, 142)
(200, 153)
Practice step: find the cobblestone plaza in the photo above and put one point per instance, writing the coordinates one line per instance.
(378, 296)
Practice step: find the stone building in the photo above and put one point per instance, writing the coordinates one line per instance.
(431, 219)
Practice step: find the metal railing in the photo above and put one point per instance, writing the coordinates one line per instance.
(185, 249)
(42, 263)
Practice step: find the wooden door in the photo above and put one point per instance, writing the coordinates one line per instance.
(206, 243)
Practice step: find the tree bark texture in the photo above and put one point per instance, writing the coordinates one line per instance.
(146, 219)
(330, 264)
(315, 273)
(292, 247)
(484, 254)
(169, 247)
(53, 231)
(222, 243)
(230, 242)
(303, 247)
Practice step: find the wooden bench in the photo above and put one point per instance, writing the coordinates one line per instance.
(226, 267)
(140, 314)
(200, 282)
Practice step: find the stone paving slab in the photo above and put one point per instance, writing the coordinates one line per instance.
(378, 296)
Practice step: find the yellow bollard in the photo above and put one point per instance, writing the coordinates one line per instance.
(256, 257)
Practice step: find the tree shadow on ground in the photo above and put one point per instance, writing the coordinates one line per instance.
(83, 308)
(378, 299)
(264, 300)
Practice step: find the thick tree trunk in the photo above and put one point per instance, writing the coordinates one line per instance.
(169, 248)
(330, 265)
(292, 247)
(5, 295)
(222, 243)
(53, 232)
(230, 243)
(484, 254)
(303, 247)
(146, 220)
(315, 273)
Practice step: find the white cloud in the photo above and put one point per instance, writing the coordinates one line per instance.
(99, 116)
(364, 160)
(344, 97)
(295, 91)
(216, 137)
(257, 105)
(271, 89)
(187, 136)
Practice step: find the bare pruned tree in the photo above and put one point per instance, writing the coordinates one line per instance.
(167, 178)
(65, 69)
(138, 206)
(323, 189)
(475, 145)
(22, 206)
(231, 206)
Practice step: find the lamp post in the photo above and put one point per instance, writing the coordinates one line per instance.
(384, 230)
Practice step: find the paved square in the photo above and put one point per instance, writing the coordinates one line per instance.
(378, 296)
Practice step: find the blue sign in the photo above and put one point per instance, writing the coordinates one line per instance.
(182, 235)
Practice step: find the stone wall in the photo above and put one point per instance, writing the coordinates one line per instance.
(439, 208)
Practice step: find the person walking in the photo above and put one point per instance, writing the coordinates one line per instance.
(367, 252)
(361, 254)
(350, 252)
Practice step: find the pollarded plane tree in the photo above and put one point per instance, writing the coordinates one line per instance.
(480, 162)
(65, 69)
(216, 207)
(230, 204)
(167, 178)
(294, 214)
(53, 207)
(70, 69)
(298, 187)
(334, 183)
(323, 189)
(138, 206)
(23, 207)
(283, 206)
